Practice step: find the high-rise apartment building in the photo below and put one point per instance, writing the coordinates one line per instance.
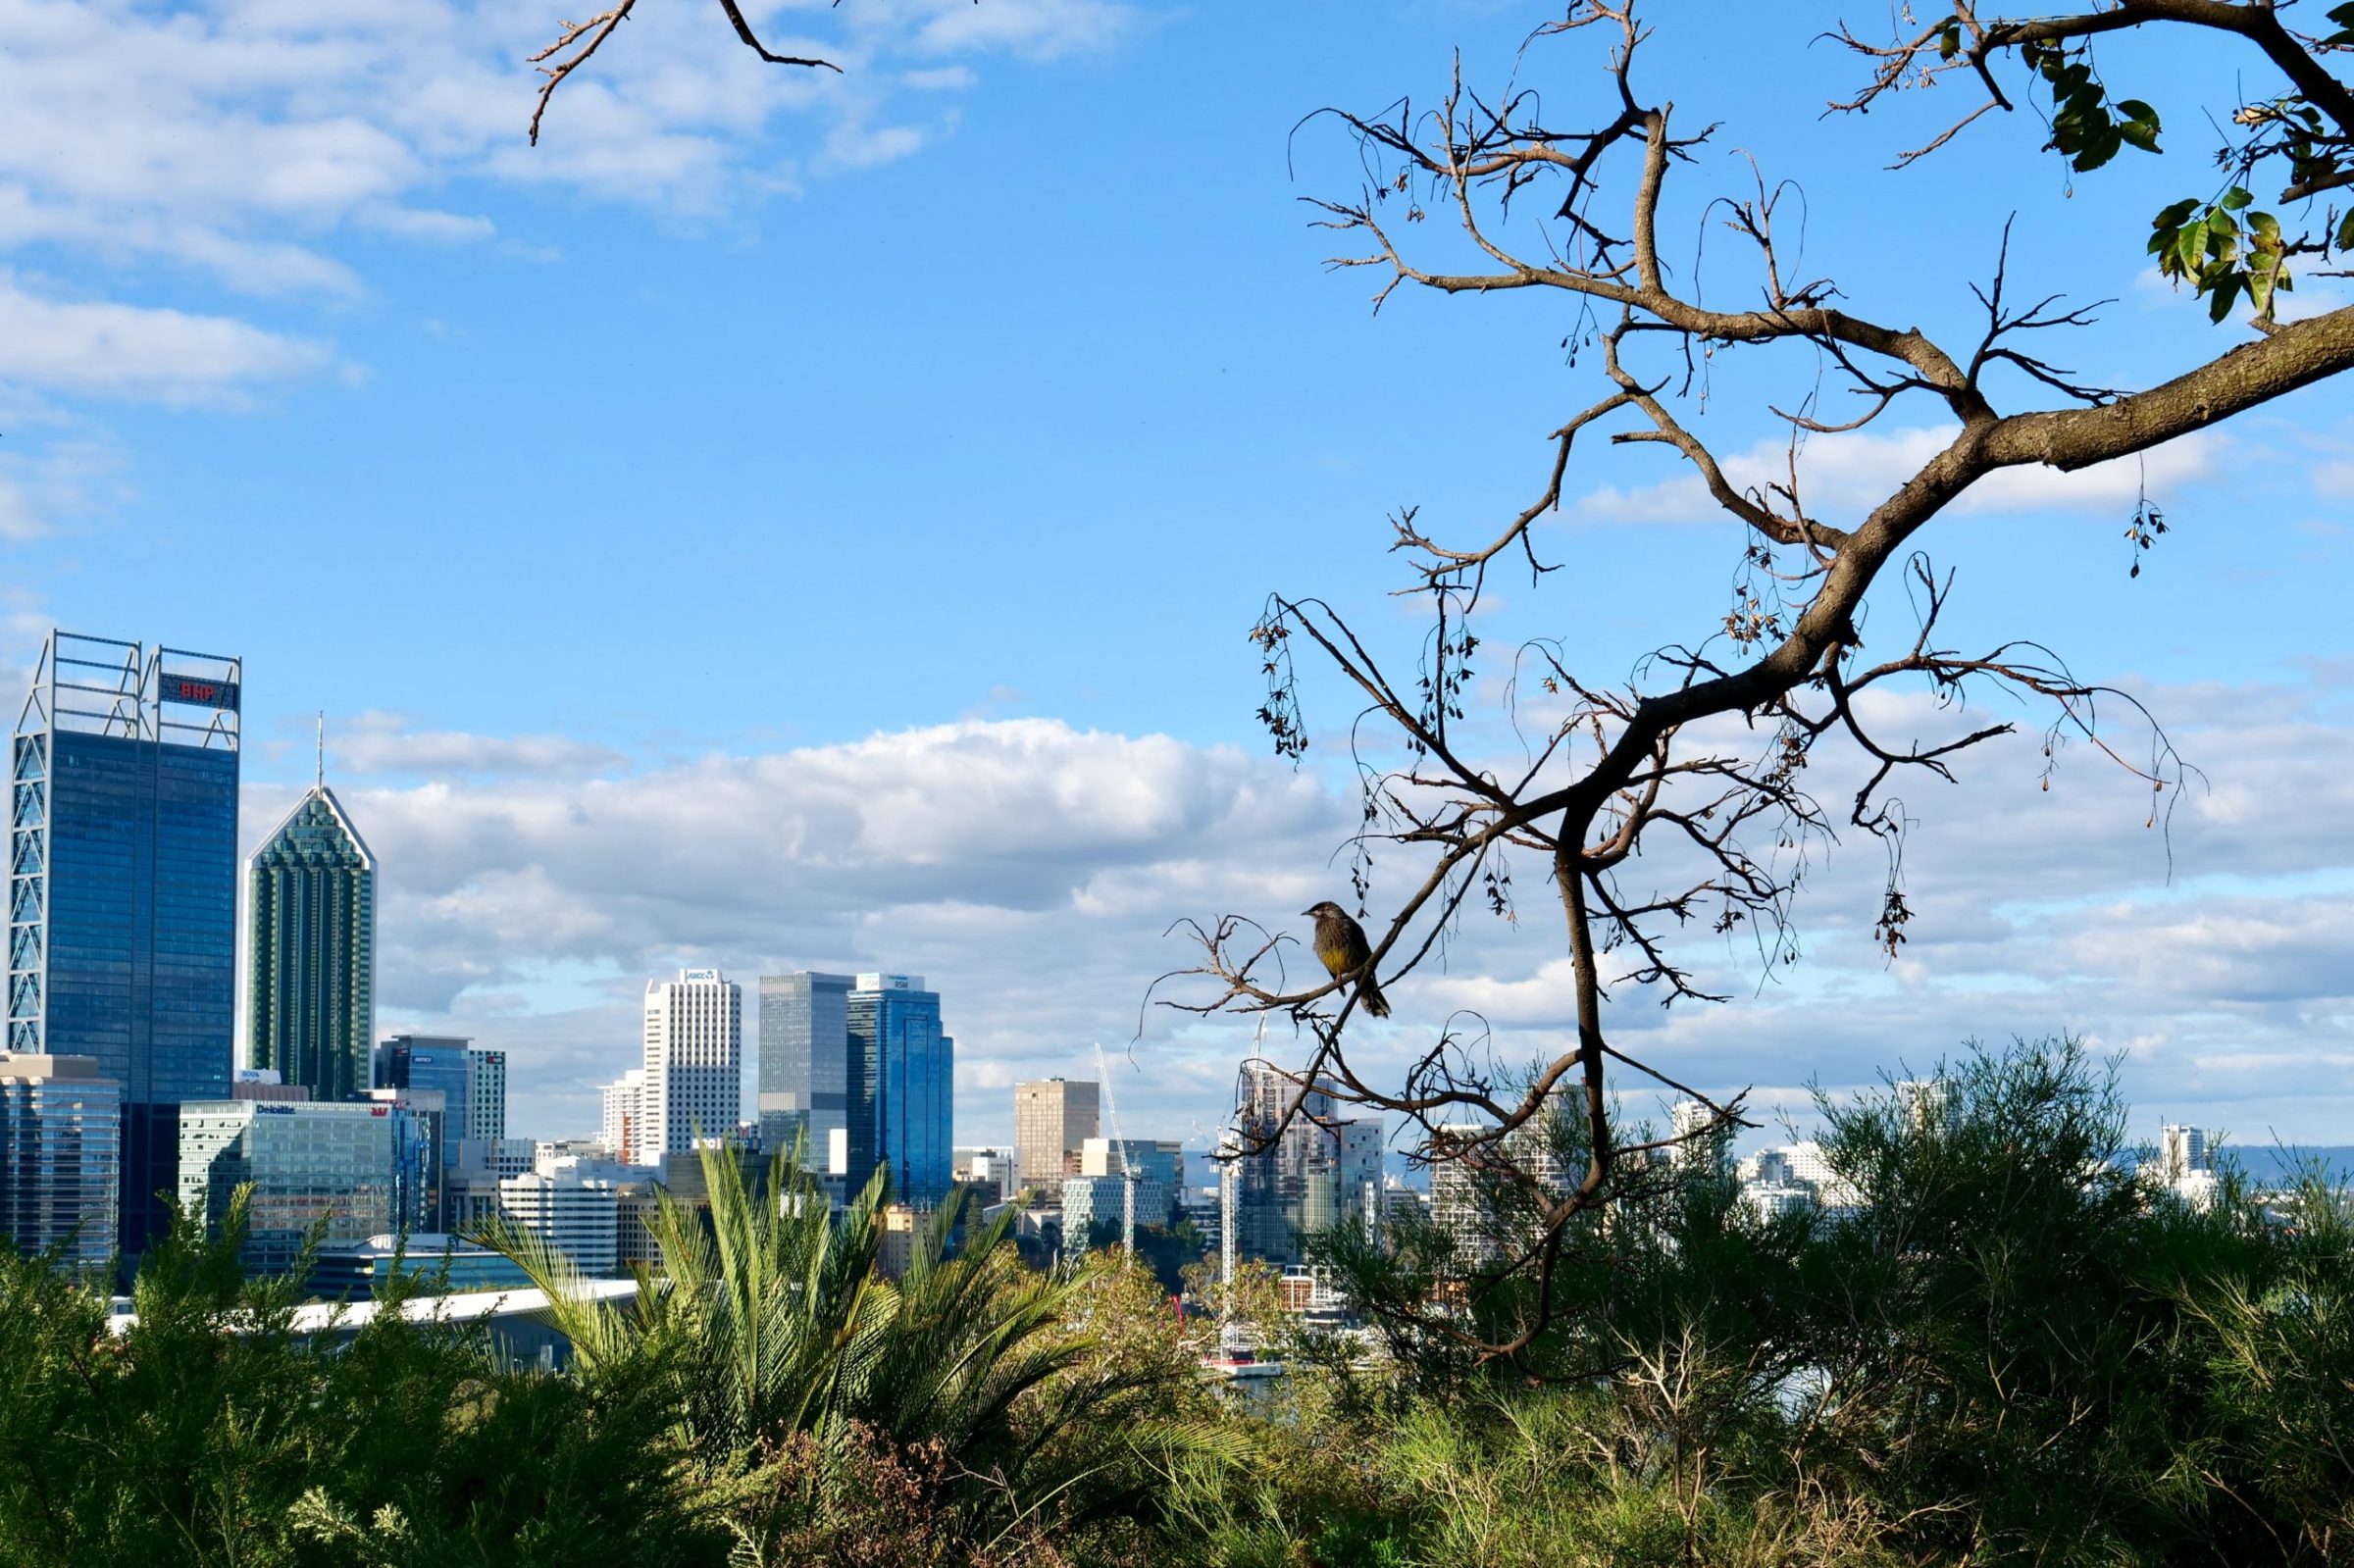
(693, 1062)
(895, 1036)
(340, 1163)
(1052, 1120)
(61, 1131)
(2182, 1149)
(485, 1097)
(1701, 1149)
(807, 1086)
(623, 1134)
(122, 887)
(310, 951)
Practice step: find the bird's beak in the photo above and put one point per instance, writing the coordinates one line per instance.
(1308, 911)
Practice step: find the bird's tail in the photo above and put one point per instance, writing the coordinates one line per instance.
(1369, 992)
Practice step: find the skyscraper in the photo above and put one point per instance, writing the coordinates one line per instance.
(310, 951)
(693, 1061)
(806, 1083)
(1052, 1120)
(895, 1038)
(487, 1097)
(123, 886)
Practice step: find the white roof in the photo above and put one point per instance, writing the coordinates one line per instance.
(471, 1306)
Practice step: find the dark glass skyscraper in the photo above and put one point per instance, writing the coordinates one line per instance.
(896, 1043)
(805, 1080)
(121, 888)
(310, 951)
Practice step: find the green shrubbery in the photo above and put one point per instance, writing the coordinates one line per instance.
(2015, 1353)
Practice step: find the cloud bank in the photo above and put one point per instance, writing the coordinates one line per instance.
(1032, 869)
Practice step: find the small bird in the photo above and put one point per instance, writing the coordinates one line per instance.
(1340, 942)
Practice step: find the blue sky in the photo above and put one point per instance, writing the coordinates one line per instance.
(808, 520)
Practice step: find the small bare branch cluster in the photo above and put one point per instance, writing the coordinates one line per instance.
(577, 41)
(1679, 798)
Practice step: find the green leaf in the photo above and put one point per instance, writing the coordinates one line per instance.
(2266, 229)
(2176, 216)
(2099, 150)
(2346, 231)
(2142, 134)
(2236, 198)
(2220, 305)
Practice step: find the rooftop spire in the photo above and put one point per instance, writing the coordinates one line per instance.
(320, 780)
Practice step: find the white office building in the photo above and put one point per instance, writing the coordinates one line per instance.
(694, 1063)
(485, 1096)
(576, 1215)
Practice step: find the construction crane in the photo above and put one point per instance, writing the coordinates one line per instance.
(1128, 1171)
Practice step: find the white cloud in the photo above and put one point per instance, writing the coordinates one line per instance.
(381, 747)
(1842, 476)
(136, 352)
(40, 489)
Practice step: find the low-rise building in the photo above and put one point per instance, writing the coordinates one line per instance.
(352, 1271)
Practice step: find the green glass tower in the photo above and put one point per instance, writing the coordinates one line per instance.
(310, 946)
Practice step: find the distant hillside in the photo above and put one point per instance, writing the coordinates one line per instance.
(2268, 1163)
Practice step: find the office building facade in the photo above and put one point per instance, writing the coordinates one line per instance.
(336, 1163)
(1098, 1194)
(123, 886)
(60, 1134)
(895, 1036)
(808, 1092)
(485, 1096)
(310, 951)
(1053, 1119)
(693, 1062)
(432, 1076)
(575, 1215)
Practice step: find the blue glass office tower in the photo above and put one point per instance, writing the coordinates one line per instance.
(436, 1063)
(907, 1067)
(121, 886)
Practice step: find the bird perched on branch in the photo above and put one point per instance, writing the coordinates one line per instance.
(1340, 941)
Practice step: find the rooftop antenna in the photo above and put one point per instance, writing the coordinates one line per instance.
(322, 779)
